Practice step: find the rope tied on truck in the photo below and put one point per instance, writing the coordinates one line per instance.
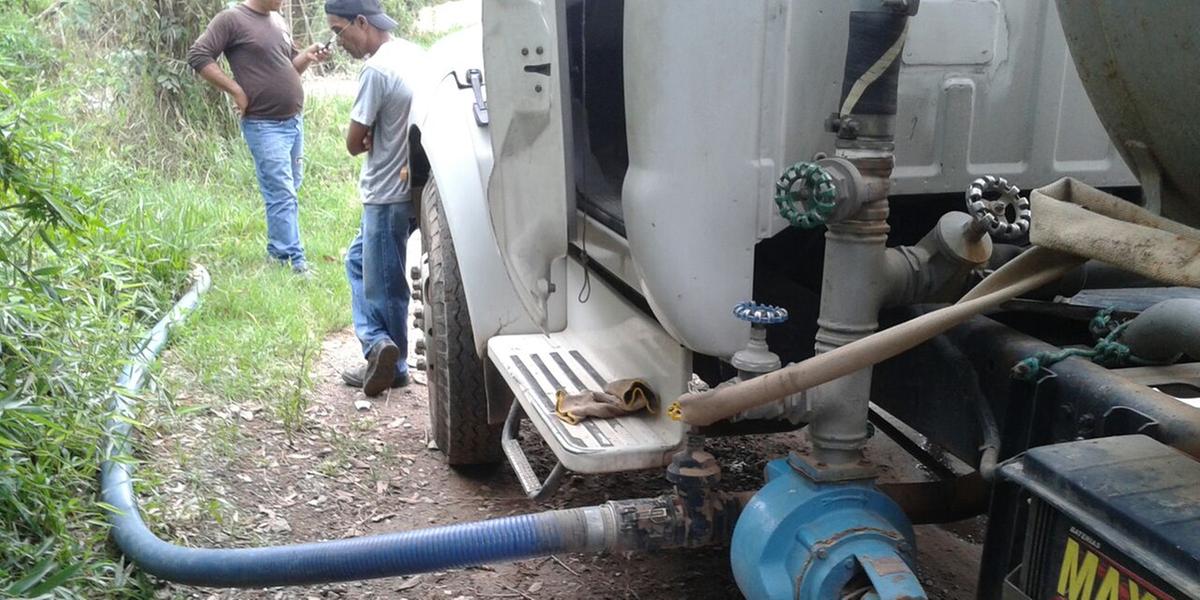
(1108, 350)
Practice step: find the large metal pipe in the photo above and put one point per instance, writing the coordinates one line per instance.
(615, 526)
(856, 280)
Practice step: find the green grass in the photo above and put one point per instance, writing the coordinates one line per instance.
(260, 327)
(163, 185)
(252, 341)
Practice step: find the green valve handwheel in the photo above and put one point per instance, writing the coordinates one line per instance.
(809, 206)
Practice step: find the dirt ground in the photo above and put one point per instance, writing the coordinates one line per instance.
(235, 478)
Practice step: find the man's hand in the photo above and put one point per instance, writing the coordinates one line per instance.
(359, 139)
(318, 53)
(240, 101)
(218, 79)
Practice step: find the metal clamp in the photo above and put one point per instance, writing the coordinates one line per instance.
(534, 488)
(992, 215)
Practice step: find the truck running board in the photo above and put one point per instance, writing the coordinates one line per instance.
(606, 339)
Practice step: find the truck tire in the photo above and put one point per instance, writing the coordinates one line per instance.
(458, 410)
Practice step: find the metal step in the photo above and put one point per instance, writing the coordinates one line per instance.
(605, 339)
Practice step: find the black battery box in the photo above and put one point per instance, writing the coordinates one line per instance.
(1113, 518)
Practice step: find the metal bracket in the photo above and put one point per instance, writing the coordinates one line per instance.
(803, 462)
(475, 82)
(534, 488)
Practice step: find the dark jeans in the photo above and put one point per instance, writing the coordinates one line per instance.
(375, 266)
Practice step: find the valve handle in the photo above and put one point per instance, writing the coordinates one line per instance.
(992, 215)
(816, 196)
(760, 314)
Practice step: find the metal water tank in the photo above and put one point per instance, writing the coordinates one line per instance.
(1139, 63)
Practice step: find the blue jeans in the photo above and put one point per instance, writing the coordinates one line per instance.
(278, 150)
(379, 291)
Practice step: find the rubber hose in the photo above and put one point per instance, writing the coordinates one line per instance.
(870, 79)
(403, 553)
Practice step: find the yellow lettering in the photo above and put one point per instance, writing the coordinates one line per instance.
(1075, 578)
(1111, 586)
(1135, 592)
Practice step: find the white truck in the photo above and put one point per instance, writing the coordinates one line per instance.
(696, 193)
(644, 140)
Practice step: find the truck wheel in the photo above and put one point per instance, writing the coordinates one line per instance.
(457, 399)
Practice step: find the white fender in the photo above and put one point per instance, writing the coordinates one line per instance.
(459, 152)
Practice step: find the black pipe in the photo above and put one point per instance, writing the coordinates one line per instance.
(1091, 275)
(870, 79)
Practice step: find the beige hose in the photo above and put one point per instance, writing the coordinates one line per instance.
(1027, 272)
(1070, 216)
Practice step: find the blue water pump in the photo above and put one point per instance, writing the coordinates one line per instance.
(819, 541)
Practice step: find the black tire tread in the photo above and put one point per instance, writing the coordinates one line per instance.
(457, 396)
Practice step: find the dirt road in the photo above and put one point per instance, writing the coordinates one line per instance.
(237, 479)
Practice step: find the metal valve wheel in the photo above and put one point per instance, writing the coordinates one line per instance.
(760, 314)
(994, 216)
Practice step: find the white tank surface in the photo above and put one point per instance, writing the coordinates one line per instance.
(1139, 62)
(721, 97)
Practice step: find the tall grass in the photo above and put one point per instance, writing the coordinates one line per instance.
(139, 175)
(260, 326)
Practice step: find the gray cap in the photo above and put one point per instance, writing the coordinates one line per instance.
(372, 10)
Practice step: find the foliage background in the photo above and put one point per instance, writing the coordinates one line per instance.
(119, 169)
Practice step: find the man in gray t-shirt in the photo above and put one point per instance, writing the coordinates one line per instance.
(379, 119)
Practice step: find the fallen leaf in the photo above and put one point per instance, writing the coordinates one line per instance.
(536, 587)
(409, 583)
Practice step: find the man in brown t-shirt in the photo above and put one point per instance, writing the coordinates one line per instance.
(269, 96)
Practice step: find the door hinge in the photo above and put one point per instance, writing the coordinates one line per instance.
(475, 82)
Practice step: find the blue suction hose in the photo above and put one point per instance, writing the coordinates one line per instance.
(589, 529)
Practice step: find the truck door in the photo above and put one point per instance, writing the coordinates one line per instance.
(531, 191)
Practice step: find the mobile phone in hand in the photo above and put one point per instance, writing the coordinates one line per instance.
(329, 44)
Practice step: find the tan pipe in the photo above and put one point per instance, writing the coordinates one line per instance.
(1029, 271)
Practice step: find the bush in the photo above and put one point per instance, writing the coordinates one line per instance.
(73, 290)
